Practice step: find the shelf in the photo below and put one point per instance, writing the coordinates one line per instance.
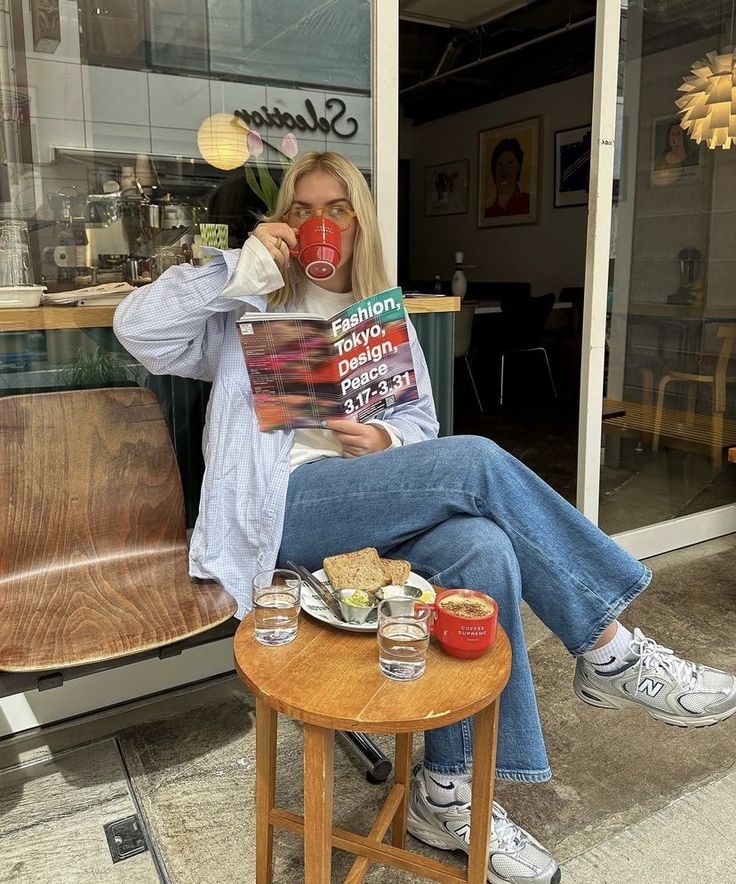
(43, 318)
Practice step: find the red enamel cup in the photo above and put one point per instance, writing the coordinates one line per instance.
(318, 247)
(465, 637)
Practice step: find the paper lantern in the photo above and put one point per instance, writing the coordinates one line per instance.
(708, 106)
(222, 141)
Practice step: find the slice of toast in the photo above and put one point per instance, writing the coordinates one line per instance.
(397, 570)
(361, 569)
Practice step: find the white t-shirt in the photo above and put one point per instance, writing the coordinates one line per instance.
(312, 444)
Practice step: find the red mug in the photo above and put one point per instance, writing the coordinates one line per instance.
(465, 637)
(318, 248)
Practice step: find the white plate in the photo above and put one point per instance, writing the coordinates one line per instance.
(313, 604)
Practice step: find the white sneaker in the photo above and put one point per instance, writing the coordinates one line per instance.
(515, 857)
(670, 689)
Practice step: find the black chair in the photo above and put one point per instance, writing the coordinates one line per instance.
(523, 324)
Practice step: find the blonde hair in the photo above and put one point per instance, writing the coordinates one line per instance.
(368, 272)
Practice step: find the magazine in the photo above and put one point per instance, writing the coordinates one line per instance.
(304, 369)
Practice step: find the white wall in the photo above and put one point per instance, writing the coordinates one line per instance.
(86, 107)
(696, 212)
(549, 254)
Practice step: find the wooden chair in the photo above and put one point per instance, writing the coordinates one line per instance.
(463, 334)
(718, 380)
(93, 562)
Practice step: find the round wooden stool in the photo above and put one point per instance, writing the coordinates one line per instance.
(329, 679)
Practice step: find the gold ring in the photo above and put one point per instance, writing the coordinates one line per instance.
(278, 242)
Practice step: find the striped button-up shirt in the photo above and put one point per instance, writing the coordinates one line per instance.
(184, 324)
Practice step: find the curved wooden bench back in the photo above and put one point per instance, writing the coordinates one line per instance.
(93, 552)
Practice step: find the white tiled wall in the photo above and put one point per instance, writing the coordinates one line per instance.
(178, 102)
(118, 136)
(46, 134)
(85, 106)
(226, 97)
(178, 142)
(112, 95)
(55, 89)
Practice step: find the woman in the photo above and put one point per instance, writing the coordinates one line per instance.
(506, 162)
(677, 154)
(459, 508)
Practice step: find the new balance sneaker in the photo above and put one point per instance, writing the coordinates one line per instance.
(670, 689)
(515, 857)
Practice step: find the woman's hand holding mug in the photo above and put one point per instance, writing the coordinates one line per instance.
(316, 244)
(279, 239)
(319, 247)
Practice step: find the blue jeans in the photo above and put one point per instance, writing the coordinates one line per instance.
(467, 512)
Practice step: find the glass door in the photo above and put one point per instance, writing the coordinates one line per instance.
(660, 411)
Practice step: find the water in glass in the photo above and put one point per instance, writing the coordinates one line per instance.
(276, 615)
(402, 648)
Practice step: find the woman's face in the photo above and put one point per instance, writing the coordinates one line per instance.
(507, 171)
(676, 139)
(318, 190)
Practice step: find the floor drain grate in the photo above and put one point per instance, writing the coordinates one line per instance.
(125, 838)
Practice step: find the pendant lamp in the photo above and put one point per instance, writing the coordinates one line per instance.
(708, 106)
(222, 140)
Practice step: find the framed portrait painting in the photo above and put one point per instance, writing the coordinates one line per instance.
(446, 188)
(572, 167)
(509, 174)
(675, 157)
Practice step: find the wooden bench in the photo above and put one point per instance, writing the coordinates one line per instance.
(94, 560)
(679, 429)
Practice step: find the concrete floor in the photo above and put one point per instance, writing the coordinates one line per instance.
(632, 801)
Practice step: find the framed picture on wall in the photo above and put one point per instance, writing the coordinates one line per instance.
(675, 157)
(446, 188)
(509, 174)
(572, 166)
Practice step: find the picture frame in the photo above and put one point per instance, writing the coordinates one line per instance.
(446, 188)
(511, 195)
(676, 161)
(572, 166)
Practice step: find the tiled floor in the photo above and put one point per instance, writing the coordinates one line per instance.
(631, 801)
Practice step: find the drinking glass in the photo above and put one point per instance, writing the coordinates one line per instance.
(163, 258)
(403, 639)
(15, 262)
(276, 606)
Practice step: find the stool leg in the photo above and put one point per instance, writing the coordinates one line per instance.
(319, 778)
(266, 729)
(484, 771)
(402, 775)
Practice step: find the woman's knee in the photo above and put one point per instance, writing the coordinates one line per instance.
(476, 449)
(477, 551)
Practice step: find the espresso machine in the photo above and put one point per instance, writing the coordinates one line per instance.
(69, 257)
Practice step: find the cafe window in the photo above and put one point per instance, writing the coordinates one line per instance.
(106, 114)
(669, 394)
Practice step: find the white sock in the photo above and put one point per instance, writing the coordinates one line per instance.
(441, 787)
(612, 653)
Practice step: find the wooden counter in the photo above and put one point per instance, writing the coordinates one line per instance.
(447, 304)
(41, 318)
(706, 312)
(52, 317)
